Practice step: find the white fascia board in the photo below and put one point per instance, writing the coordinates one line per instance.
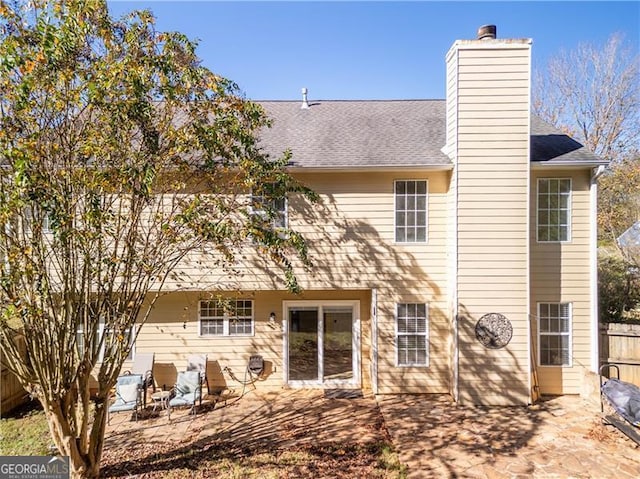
(368, 169)
(565, 165)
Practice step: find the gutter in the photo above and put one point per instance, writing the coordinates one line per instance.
(353, 169)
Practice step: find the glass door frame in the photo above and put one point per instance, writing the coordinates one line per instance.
(355, 381)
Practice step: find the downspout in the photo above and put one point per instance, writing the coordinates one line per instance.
(593, 246)
(456, 309)
(374, 341)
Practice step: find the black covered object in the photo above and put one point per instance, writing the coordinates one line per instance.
(624, 397)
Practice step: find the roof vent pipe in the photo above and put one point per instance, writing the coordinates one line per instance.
(305, 104)
(487, 32)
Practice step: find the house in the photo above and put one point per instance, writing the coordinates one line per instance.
(453, 250)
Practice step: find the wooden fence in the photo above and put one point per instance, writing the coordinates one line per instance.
(620, 345)
(12, 393)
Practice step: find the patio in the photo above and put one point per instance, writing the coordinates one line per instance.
(559, 437)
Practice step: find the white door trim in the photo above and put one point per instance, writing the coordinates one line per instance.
(356, 339)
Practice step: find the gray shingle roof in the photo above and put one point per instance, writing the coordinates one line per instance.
(550, 146)
(387, 134)
(339, 134)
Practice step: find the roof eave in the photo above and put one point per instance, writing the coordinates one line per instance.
(357, 169)
(543, 165)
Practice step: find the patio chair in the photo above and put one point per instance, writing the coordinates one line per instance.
(187, 391)
(143, 365)
(128, 395)
(198, 362)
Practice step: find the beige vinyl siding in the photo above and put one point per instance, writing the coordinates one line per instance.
(418, 379)
(492, 198)
(560, 273)
(351, 235)
(354, 241)
(172, 333)
(352, 246)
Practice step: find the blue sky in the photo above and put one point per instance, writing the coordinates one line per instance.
(370, 50)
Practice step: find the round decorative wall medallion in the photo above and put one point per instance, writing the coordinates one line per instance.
(494, 330)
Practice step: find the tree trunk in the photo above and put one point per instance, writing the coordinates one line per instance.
(84, 453)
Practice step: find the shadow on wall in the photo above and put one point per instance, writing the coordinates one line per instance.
(165, 375)
(350, 252)
(355, 255)
(346, 252)
(492, 376)
(219, 377)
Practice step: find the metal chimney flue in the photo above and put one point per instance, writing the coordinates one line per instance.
(305, 104)
(487, 32)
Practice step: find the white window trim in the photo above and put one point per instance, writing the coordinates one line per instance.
(29, 214)
(426, 206)
(425, 334)
(132, 341)
(101, 330)
(569, 208)
(225, 322)
(262, 213)
(569, 334)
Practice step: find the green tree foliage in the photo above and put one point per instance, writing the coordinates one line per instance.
(619, 287)
(619, 199)
(619, 266)
(121, 156)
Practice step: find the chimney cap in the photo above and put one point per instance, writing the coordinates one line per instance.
(487, 32)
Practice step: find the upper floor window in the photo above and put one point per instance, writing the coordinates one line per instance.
(554, 334)
(32, 215)
(266, 206)
(554, 209)
(411, 211)
(226, 318)
(412, 334)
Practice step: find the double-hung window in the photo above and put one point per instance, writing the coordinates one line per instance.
(32, 216)
(107, 335)
(554, 326)
(411, 211)
(226, 318)
(125, 335)
(412, 334)
(554, 209)
(272, 208)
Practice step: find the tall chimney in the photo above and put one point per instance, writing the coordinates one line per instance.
(487, 32)
(488, 91)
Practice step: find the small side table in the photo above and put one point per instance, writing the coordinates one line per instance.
(161, 398)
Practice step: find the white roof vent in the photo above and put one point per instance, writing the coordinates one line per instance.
(305, 104)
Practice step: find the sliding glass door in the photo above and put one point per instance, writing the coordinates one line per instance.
(322, 343)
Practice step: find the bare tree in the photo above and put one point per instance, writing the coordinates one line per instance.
(121, 157)
(591, 93)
